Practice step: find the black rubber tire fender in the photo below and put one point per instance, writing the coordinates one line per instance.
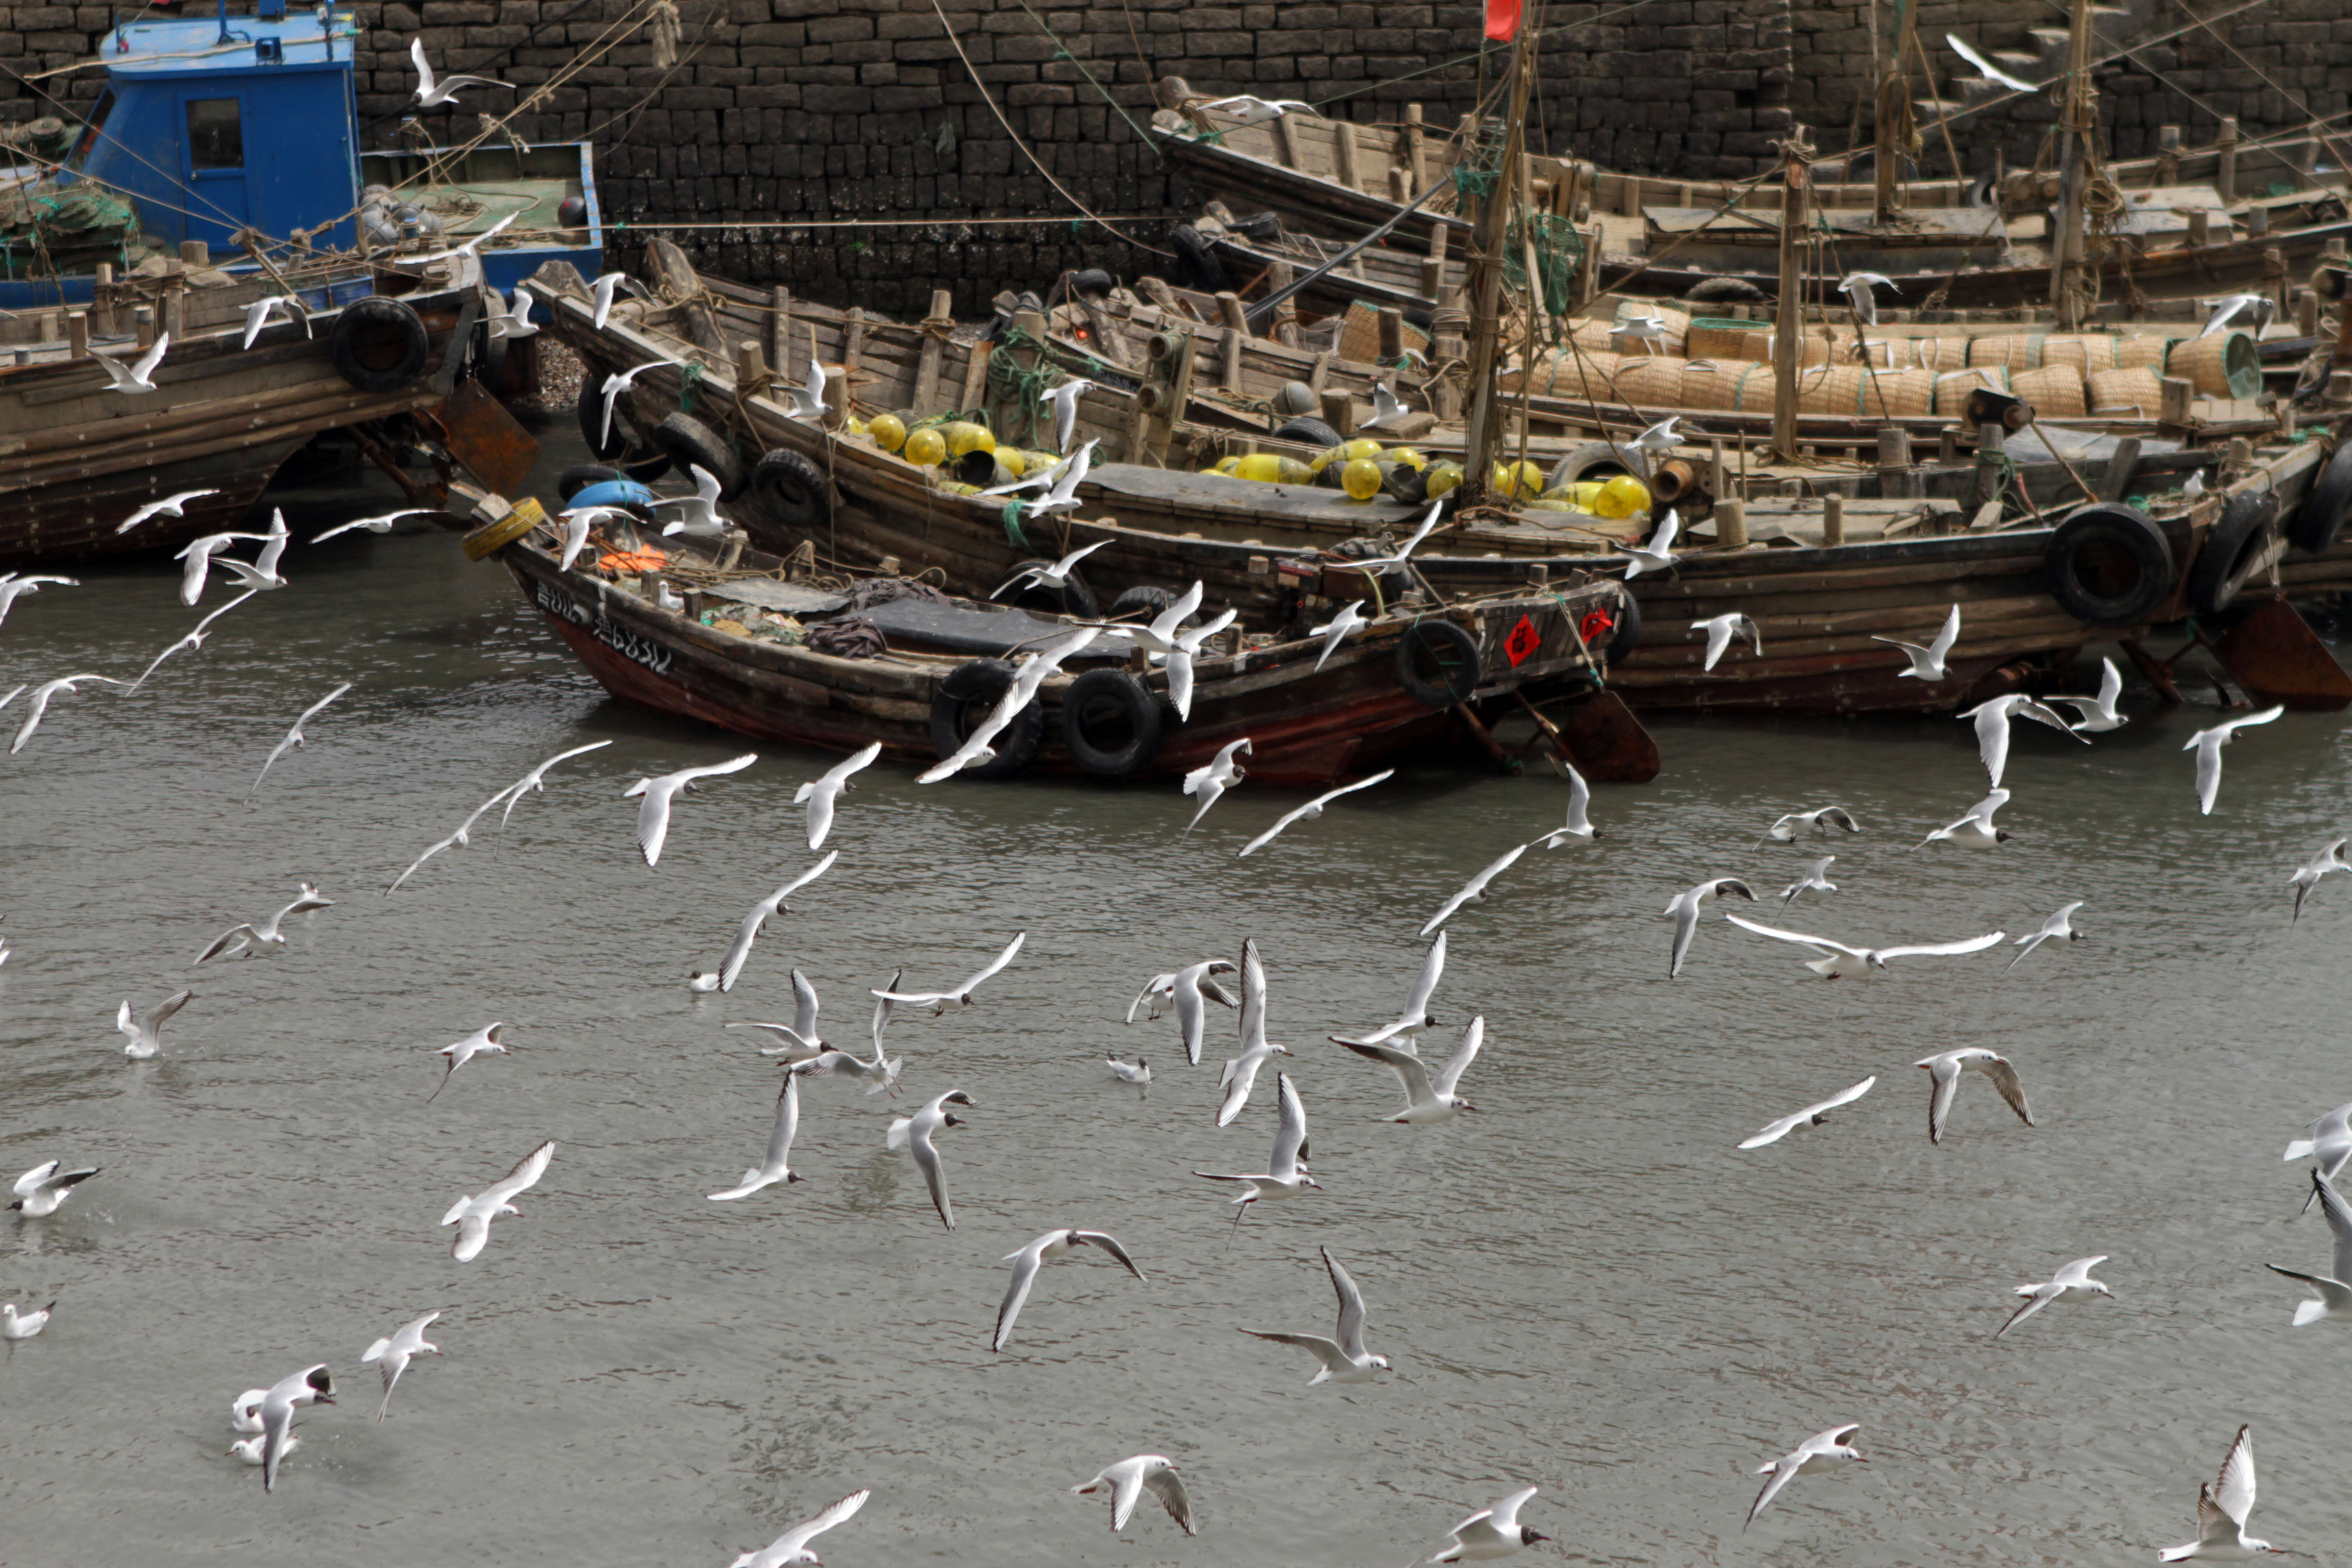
(2108, 564)
(580, 476)
(1141, 598)
(2322, 514)
(965, 697)
(1309, 431)
(1437, 663)
(379, 344)
(1626, 636)
(1197, 266)
(605, 447)
(1599, 458)
(2245, 525)
(789, 491)
(691, 443)
(1111, 724)
(1073, 598)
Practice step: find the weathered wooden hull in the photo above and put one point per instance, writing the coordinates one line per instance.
(76, 458)
(1308, 726)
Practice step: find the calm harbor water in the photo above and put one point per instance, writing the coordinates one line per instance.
(1584, 1288)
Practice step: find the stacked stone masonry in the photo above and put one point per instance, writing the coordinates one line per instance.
(861, 114)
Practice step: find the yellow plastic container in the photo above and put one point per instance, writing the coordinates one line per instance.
(1268, 468)
(1583, 496)
(1326, 457)
(1362, 446)
(1524, 482)
(1360, 478)
(1405, 457)
(1225, 465)
(963, 436)
(1014, 461)
(1443, 476)
(926, 448)
(853, 426)
(889, 432)
(1622, 497)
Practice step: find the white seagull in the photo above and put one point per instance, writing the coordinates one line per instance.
(460, 840)
(2228, 308)
(796, 1041)
(194, 640)
(245, 1416)
(1974, 831)
(2072, 1285)
(659, 792)
(1240, 1076)
(1062, 493)
(1286, 1175)
(472, 1216)
(1927, 663)
(1344, 1358)
(1190, 989)
(146, 1029)
(1580, 806)
(1984, 68)
(767, 909)
(1992, 721)
(1944, 1071)
(258, 314)
(1064, 401)
(2308, 874)
(379, 524)
(775, 1165)
(1307, 812)
(819, 794)
(1859, 289)
(269, 936)
(792, 1546)
(1493, 1532)
(464, 1051)
(1136, 1071)
(1822, 1451)
(43, 1189)
(1427, 1098)
(2222, 1510)
(616, 384)
(1248, 111)
(392, 1354)
(2098, 713)
(2335, 1298)
(312, 1385)
(1416, 1016)
(2055, 926)
(1055, 575)
(294, 739)
(2208, 744)
(261, 573)
(603, 289)
(1128, 1481)
(432, 93)
(1208, 783)
(2329, 1147)
(1476, 887)
(1349, 619)
(1720, 629)
(1812, 1116)
(469, 249)
(1037, 1253)
(514, 321)
(15, 1325)
(535, 781)
(805, 401)
(1655, 555)
(37, 704)
(881, 1074)
(1180, 658)
(699, 512)
(13, 587)
(1659, 439)
(1835, 959)
(914, 1133)
(1816, 879)
(170, 506)
(198, 554)
(937, 1000)
(139, 376)
(1685, 908)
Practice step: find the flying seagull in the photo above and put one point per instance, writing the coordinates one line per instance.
(1208, 783)
(2057, 925)
(1984, 68)
(432, 93)
(915, 1134)
(2208, 744)
(139, 377)
(1812, 1116)
(269, 936)
(603, 289)
(1285, 1175)
(660, 790)
(37, 704)
(379, 524)
(1835, 959)
(767, 909)
(294, 739)
(1820, 1452)
(792, 1546)
(2098, 713)
(2335, 1300)
(819, 794)
(2072, 1285)
(775, 1165)
(1427, 1098)
(170, 506)
(464, 1051)
(1492, 1532)
(1350, 618)
(937, 1000)
(393, 1354)
(1859, 289)
(146, 1029)
(1307, 812)
(1685, 908)
(258, 314)
(472, 1216)
(1992, 721)
(13, 587)
(1944, 1084)
(1721, 629)
(1246, 109)
(1343, 1355)
(1036, 1255)
(1655, 555)
(1064, 401)
(1927, 663)
(312, 1385)
(2222, 1510)
(2308, 874)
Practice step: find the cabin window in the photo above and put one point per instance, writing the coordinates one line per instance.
(96, 123)
(215, 136)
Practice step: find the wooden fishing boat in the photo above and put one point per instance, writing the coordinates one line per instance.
(927, 668)
(383, 354)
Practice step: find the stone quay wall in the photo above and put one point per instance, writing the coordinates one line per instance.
(858, 123)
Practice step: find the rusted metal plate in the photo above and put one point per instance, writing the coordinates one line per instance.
(2278, 659)
(1609, 743)
(479, 433)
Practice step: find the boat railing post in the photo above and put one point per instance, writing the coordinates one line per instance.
(77, 333)
(1896, 478)
(1790, 328)
(142, 326)
(2225, 160)
(2168, 154)
(1731, 523)
(1834, 518)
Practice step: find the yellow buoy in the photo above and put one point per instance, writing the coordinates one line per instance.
(853, 426)
(926, 448)
(1622, 497)
(1360, 478)
(1362, 446)
(1580, 496)
(1523, 480)
(964, 437)
(1405, 457)
(1326, 457)
(1442, 476)
(1012, 461)
(889, 432)
(1265, 468)
(958, 488)
(1226, 466)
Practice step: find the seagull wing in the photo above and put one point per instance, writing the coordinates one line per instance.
(1775, 1131)
(1942, 949)
(1290, 1138)
(789, 1544)
(1782, 1471)
(2235, 1490)
(1026, 1264)
(1424, 985)
(1476, 888)
(2004, 1079)
(2042, 1295)
(1472, 1037)
(1330, 1352)
(788, 1123)
(1820, 945)
(1984, 68)
(1943, 1087)
(653, 818)
(1109, 1244)
(994, 965)
(2339, 1223)
(1410, 1070)
(522, 1178)
(935, 1176)
(1993, 737)
(1169, 1487)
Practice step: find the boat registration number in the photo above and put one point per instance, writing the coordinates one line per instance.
(620, 639)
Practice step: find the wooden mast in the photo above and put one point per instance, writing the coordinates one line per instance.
(1788, 333)
(1485, 429)
(1893, 121)
(2077, 123)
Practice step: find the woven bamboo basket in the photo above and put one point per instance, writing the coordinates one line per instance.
(1853, 390)
(2086, 351)
(2055, 391)
(2144, 352)
(1936, 353)
(2018, 351)
(1712, 382)
(1592, 334)
(1567, 373)
(1712, 338)
(1953, 386)
(2223, 365)
(2131, 393)
(1651, 381)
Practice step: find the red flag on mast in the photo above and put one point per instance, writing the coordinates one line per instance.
(1502, 20)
